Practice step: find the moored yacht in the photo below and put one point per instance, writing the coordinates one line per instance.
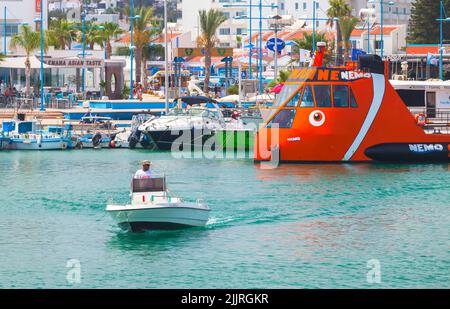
(191, 121)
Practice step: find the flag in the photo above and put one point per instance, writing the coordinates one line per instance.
(432, 59)
(305, 55)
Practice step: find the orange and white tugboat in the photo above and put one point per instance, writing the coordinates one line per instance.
(348, 114)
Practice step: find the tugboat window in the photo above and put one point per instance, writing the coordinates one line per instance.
(294, 101)
(284, 119)
(323, 95)
(287, 91)
(353, 100)
(307, 99)
(340, 94)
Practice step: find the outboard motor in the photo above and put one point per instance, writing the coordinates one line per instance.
(134, 138)
(96, 139)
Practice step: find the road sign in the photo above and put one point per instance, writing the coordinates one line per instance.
(280, 44)
(244, 74)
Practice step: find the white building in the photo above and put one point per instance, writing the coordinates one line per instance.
(63, 5)
(19, 12)
(238, 13)
(397, 13)
(394, 37)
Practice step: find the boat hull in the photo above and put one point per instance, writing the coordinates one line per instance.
(235, 139)
(367, 122)
(35, 145)
(136, 218)
(179, 139)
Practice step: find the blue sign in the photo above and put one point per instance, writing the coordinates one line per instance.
(244, 74)
(280, 44)
(356, 53)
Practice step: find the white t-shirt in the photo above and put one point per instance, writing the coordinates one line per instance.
(140, 174)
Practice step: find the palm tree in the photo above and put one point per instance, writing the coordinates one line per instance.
(338, 9)
(110, 32)
(142, 36)
(94, 35)
(61, 33)
(306, 42)
(347, 25)
(209, 23)
(29, 41)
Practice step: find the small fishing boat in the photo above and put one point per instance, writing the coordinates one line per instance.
(153, 207)
(25, 135)
(97, 141)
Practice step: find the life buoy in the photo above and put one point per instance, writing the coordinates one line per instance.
(421, 119)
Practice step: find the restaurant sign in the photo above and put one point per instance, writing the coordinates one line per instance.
(74, 63)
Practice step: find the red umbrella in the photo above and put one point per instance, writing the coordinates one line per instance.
(277, 89)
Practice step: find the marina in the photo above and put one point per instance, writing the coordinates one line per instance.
(163, 144)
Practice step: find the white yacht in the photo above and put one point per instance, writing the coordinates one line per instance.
(191, 121)
(152, 207)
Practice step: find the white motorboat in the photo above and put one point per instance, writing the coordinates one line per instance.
(191, 122)
(154, 208)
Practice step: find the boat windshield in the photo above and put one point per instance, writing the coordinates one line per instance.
(148, 185)
(194, 111)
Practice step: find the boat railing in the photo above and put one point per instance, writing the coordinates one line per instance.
(437, 121)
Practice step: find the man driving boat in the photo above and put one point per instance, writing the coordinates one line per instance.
(145, 172)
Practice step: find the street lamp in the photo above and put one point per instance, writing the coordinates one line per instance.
(40, 20)
(132, 47)
(381, 22)
(441, 38)
(260, 6)
(83, 54)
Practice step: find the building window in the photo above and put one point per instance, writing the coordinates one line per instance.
(296, 6)
(224, 31)
(282, 6)
(10, 29)
(241, 31)
(304, 6)
(378, 44)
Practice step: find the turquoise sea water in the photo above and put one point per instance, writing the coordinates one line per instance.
(297, 226)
